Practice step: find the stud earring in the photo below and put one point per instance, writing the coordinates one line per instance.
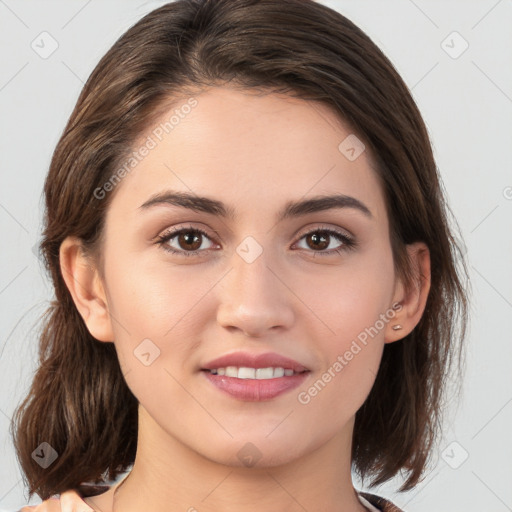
(396, 327)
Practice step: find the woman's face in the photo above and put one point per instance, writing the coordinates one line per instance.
(258, 282)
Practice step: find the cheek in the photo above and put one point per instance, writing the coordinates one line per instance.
(151, 298)
(353, 304)
(350, 351)
(158, 309)
(154, 316)
(351, 298)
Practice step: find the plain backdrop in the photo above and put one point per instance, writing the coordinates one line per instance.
(455, 56)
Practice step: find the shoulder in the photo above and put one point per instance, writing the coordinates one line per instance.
(380, 503)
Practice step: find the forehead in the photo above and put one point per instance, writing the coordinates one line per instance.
(249, 149)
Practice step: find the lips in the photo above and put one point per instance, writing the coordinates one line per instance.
(254, 389)
(247, 360)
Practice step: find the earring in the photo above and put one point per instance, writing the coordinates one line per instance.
(396, 327)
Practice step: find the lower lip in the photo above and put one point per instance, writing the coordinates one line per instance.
(255, 390)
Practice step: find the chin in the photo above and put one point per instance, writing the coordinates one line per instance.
(256, 452)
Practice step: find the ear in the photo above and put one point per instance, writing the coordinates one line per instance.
(86, 288)
(410, 302)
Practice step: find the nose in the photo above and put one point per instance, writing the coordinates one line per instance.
(255, 298)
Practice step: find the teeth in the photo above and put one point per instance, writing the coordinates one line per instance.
(246, 373)
(265, 373)
(253, 373)
(279, 372)
(231, 371)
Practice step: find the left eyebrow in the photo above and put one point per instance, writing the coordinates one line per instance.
(291, 208)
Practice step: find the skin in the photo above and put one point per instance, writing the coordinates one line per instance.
(254, 153)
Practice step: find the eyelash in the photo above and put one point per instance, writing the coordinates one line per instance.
(348, 242)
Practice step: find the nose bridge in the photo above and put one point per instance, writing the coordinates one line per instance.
(252, 274)
(253, 298)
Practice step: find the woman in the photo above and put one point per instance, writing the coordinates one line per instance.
(256, 285)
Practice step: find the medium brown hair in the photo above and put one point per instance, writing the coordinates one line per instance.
(79, 402)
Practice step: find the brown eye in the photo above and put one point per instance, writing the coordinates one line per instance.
(319, 239)
(189, 241)
(185, 242)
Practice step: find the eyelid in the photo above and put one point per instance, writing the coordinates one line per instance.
(172, 232)
(325, 227)
(300, 233)
(210, 233)
(348, 241)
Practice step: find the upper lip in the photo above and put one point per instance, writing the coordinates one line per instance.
(247, 360)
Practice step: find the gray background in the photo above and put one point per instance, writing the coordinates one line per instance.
(466, 101)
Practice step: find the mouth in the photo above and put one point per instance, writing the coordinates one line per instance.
(255, 377)
(244, 372)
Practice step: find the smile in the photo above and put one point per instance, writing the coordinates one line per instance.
(254, 384)
(244, 372)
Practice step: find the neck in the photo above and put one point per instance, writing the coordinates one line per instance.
(167, 475)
